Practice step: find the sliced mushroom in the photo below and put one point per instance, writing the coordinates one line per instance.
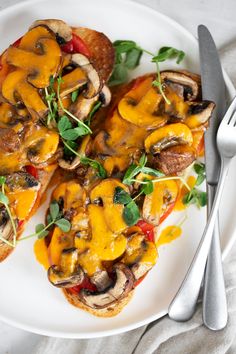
(122, 286)
(100, 144)
(42, 146)
(6, 230)
(16, 89)
(9, 140)
(101, 279)
(113, 213)
(185, 84)
(167, 136)
(199, 113)
(72, 81)
(141, 104)
(59, 27)
(69, 273)
(83, 150)
(83, 106)
(94, 81)
(157, 203)
(175, 159)
(105, 96)
(31, 58)
(140, 254)
(20, 181)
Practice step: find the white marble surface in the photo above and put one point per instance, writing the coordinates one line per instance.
(219, 16)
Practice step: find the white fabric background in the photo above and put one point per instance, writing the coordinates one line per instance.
(163, 336)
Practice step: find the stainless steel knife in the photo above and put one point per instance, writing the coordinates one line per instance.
(183, 305)
(213, 89)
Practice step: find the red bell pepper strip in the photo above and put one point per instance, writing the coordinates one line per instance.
(32, 171)
(86, 284)
(76, 45)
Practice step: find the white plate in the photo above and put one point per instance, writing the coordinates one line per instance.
(27, 300)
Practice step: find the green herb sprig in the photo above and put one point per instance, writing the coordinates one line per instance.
(5, 201)
(128, 56)
(135, 169)
(87, 161)
(131, 213)
(195, 196)
(54, 218)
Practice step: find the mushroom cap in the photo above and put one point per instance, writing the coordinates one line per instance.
(122, 286)
(184, 83)
(59, 27)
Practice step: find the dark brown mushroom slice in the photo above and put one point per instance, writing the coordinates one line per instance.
(83, 106)
(94, 85)
(9, 140)
(199, 113)
(100, 144)
(21, 181)
(183, 83)
(122, 286)
(175, 159)
(59, 27)
(6, 230)
(102, 280)
(105, 96)
(68, 273)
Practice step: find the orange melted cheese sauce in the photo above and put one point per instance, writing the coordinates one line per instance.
(179, 202)
(169, 234)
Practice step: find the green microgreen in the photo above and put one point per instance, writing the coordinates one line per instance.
(53, 218)
(5, 201)
(135, 169)
(93, 111)
(74, 95)
(195, 196)
(199, 168)
(128, 55)
(87, 161)
(131, 213)
(80, 122)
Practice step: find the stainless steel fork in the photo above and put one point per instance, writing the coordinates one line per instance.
(181, 308)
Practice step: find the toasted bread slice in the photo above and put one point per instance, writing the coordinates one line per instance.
(102, 53)
(112, 310)
(44, 178)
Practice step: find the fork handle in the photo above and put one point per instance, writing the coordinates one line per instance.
(184, 303)
(215, 314)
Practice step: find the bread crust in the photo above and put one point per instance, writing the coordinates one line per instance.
(102, 54)
(111, 311)
(44, 179)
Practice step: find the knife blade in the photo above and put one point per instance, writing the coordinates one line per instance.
(213, 89)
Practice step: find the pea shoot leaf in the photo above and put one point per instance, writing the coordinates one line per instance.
(63, 224)
(196, 197)
(127, 55)
(74, 95)
(147, 188)
(121, 196)
(64, 124)
(131, 213)
(95, 164)
(54, 209)
(165, 53)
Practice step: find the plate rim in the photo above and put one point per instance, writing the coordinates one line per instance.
(103, 333)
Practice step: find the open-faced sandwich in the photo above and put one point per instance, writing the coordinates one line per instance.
(31, 94)
(122, 164)
(140, 148)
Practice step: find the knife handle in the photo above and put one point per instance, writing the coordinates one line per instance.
(215, 314)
